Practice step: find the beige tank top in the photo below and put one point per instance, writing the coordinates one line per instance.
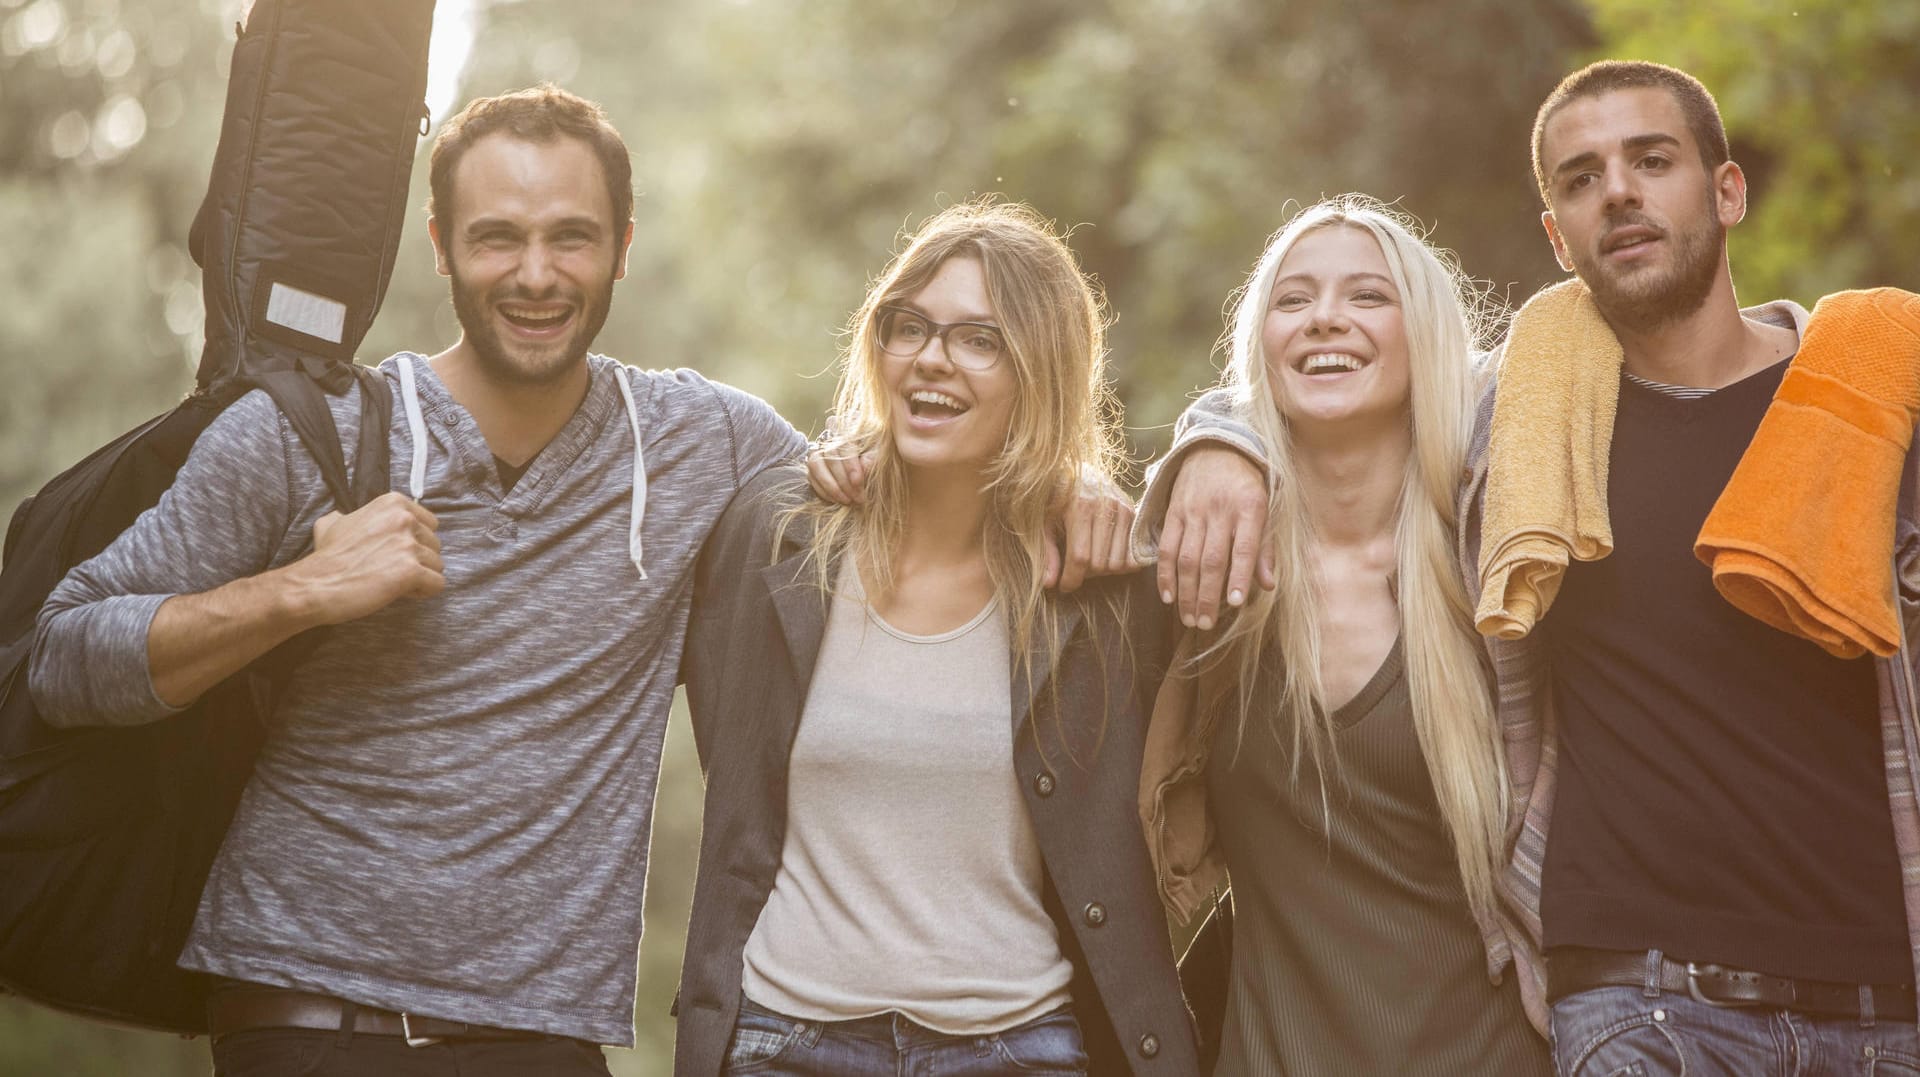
(910, 879)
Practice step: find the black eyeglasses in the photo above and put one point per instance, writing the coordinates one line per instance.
(972, 345)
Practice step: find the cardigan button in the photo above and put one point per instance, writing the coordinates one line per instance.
(1149, 1045)
(1095, 914)
(1043, 784)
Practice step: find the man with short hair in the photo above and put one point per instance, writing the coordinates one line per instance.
(1719, 790)
(437, 865)
(1734, 844)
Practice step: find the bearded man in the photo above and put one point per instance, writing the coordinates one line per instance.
(437, 865)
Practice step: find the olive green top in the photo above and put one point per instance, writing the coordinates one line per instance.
(1353, 949)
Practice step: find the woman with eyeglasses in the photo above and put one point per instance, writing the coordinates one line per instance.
(921, 850)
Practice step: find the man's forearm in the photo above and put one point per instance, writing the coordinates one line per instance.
(103, 658)
(197, 641)
(1210, 421)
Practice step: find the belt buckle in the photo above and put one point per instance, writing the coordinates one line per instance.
(1695, 970)
(406, 1030)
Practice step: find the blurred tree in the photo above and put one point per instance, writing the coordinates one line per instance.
(1818, 100)
(107, 122)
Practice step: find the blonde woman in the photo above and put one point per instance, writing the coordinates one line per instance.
(921, 848)
(1337, 730)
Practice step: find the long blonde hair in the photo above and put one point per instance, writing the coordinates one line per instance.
(1063, 425)
(1445, 668)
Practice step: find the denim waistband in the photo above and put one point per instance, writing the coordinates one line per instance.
(897, 1028)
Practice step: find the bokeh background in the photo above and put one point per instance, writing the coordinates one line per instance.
(781, 147)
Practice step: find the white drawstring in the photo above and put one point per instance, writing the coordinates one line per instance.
(416, 428)
(639, 469)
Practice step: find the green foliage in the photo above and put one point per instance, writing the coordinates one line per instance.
(107, 123)
(82, 277)
(1818, 100)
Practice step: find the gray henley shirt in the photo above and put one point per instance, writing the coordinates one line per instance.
(451, 811)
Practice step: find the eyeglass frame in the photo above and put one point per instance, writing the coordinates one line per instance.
(937, 330)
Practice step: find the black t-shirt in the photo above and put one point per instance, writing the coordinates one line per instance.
(1722, 789)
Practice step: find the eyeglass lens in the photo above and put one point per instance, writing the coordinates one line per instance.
(968, 344)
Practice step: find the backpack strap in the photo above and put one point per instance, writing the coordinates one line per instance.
(375, 453)
(298, 393)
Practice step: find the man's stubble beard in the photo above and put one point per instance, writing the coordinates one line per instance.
(1653, 301)
(491, 352)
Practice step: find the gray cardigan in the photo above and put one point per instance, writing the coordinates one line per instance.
(749, 659)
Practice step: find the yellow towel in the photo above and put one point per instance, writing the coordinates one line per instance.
(1802, 536)
(1546, 496)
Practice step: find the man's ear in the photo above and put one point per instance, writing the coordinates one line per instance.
(1729, 194)
(440, 263)
(626, 245)
(1553, 237)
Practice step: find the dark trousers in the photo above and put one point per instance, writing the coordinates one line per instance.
(299, 1052)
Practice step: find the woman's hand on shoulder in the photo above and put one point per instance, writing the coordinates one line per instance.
(1087, 534)
(837, 472)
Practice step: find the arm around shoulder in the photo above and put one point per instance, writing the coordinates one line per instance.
(761, 438)
(1208, 502)
(1214, 421)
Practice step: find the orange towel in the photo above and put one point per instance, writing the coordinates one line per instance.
(1546, 497)
(1802, 536)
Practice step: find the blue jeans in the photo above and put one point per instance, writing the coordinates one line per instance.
(1624, 1032)
(773, 1045)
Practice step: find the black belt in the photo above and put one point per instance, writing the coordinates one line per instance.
(242, 1009)
(1572, 969)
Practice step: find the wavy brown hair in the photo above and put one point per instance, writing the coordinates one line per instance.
(1062, 428)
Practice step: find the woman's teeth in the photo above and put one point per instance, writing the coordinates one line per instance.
(1324, 364)
(920, 400)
